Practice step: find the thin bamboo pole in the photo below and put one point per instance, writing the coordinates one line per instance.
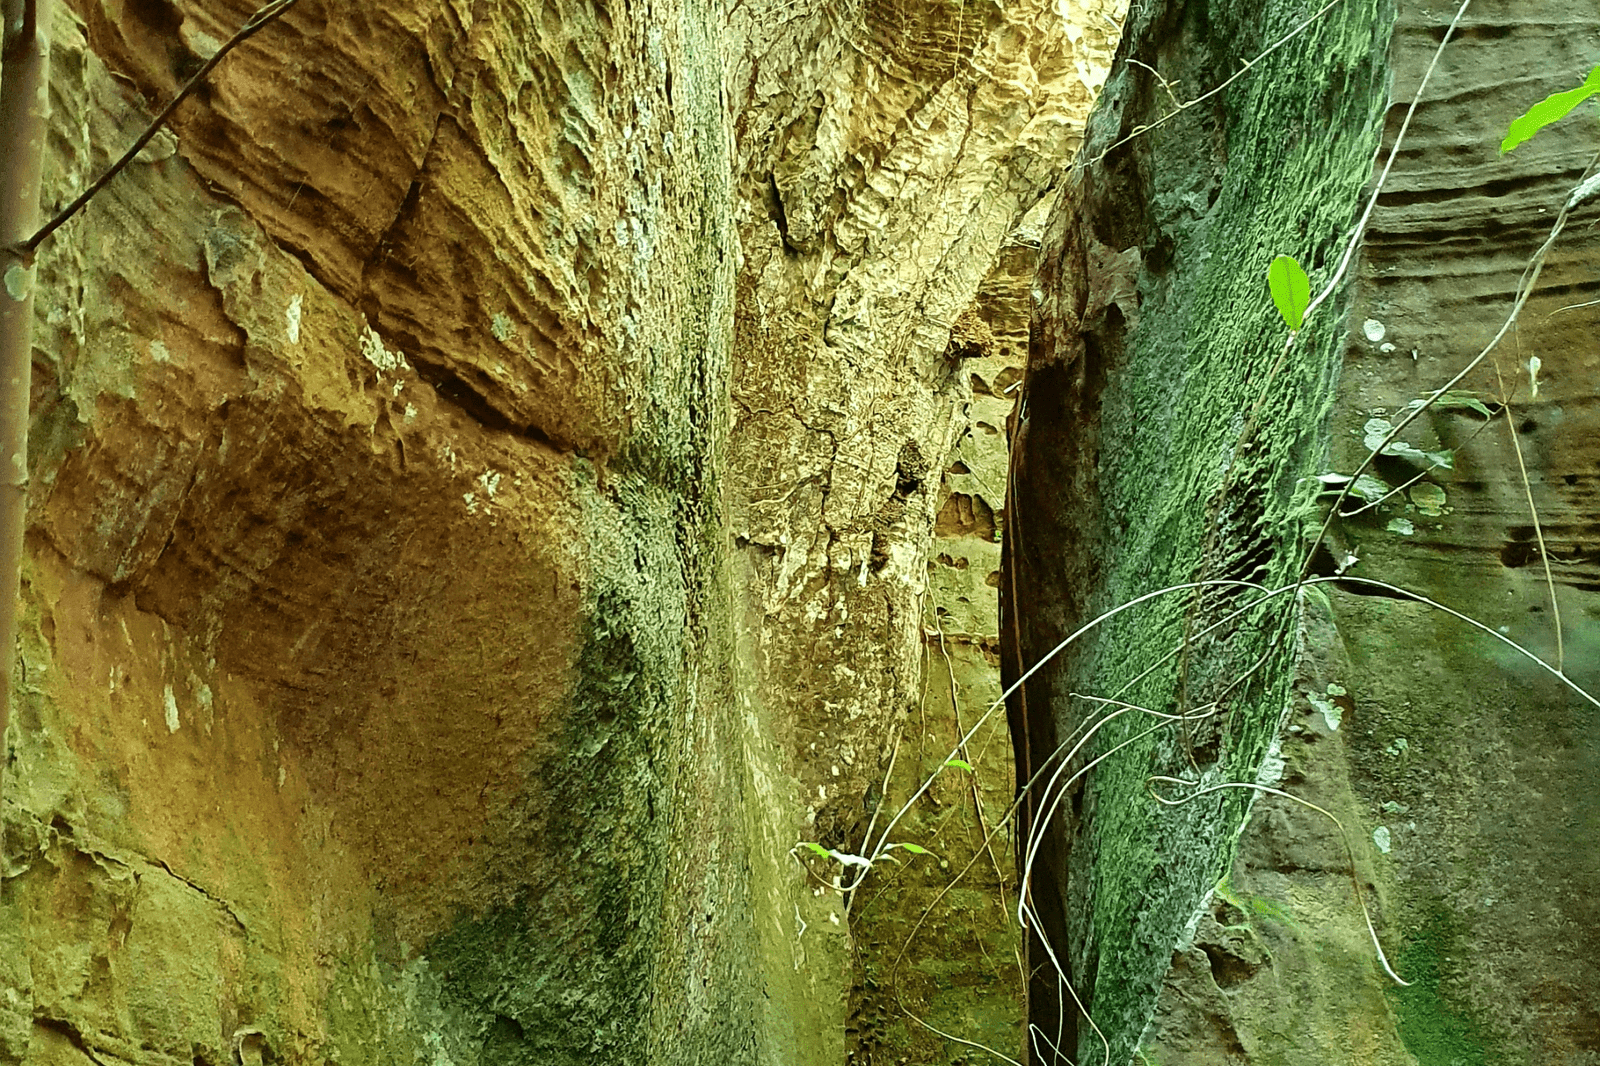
(24, 122)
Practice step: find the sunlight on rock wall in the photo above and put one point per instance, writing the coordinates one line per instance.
(484, 460)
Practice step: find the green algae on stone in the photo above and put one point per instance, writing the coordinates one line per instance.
(1206, 441)
(1435, 1029)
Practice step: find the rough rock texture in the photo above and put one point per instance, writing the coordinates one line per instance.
(1462, 772)
(1465, 772)
(456, 443)
(881, 186)
(936, 939)
(375, 605)
(1165, 436)
(887, 154)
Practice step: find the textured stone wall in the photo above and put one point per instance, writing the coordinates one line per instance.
(484, 459)
(936, 938)
(888, 152)
(1164, 437)
(1174, 448)
(375, 678)
(1464, 772)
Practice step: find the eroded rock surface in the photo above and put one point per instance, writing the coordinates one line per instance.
(457, 443)
(1464, 771)
(936, 936)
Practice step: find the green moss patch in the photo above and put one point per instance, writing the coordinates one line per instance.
(1210, 437)
(1434, 1027)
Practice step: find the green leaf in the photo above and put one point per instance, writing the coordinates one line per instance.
(818, 848)
(1552, 108)
(959, 764)
(1291, 290)
(915, 849)
(1429, 498)
(1375, 432)
(1428, 460)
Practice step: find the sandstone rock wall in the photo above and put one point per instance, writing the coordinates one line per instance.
(1166, 436)
(375, 676)
(936, 938)
(457, 444)
(1465, 772)
(888, 153)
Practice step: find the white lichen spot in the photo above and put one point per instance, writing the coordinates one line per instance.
(1534, 363)
(1374, 330)
(489, 480)
(1332, 713)
(398, 386)
(291, 318)
(471, 499)
(1429, 499)
(283, 775)
(411, 412)
(1381, 838)
(448, 454)
(373, 351)
(202, 696)
(171, 701)
(500, 325)
(159, 353)
(19, 282)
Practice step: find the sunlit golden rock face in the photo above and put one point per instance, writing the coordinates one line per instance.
(484, 464)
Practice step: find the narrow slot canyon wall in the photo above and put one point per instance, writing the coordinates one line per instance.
(936, 938)
(485, 460)
(1161, 441)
